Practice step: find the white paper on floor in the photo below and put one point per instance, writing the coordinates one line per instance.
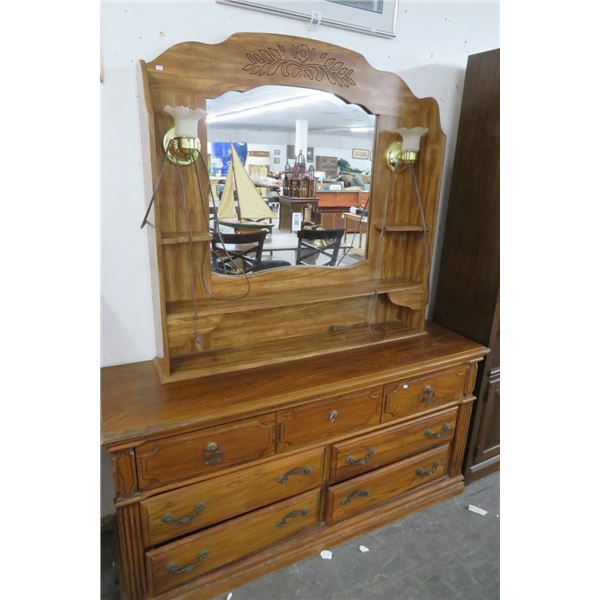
(477, 510)
(363, 548)
(326, 554)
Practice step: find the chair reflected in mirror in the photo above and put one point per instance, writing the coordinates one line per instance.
(314, 243)
(237, 253)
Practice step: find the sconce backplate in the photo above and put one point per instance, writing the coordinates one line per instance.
(398, 159)
(181, 151)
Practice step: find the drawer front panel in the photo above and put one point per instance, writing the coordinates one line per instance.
(318, 421)
(183, 456)
(191, 557)
(374, 450)
(196, 506)
(414, 396)
(348, 498)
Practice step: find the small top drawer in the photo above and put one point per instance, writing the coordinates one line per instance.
(368, 452)
(321, 420)
(193, 507)
(414, 396)
(180, 457)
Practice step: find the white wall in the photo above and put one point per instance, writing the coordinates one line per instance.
(430, 53)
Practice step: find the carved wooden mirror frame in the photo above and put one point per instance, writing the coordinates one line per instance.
(297, 312)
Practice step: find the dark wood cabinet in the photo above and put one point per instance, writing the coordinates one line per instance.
(468, 292)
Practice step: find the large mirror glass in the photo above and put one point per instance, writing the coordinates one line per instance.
(290, 177)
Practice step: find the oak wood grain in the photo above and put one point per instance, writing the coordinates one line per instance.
(371, 451)
(207, 451)
(357, 494)
(136, 405)
(230, 541)
(197, 506)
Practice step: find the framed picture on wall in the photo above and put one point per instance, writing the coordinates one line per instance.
(276, 151)
(373, 17)
(310, 154)
(360, 154)
(276, 160)
(291, 152)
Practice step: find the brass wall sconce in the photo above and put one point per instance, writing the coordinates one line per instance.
(401, 154)
(181, 143)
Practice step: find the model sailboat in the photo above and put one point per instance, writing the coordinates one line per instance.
(250, 205)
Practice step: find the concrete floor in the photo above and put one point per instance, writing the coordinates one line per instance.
(444, 552)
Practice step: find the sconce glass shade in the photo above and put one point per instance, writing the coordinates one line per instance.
(186, 120)
(411, 138)
(181, 142)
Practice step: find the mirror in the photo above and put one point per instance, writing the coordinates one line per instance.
(290, 175)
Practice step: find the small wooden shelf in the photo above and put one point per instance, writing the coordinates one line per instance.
(401, 227)
(286, 350)
(294, 297)
(180, 237)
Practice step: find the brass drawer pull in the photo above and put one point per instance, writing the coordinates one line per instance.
(428, 394)
(333, 416)
(292, 515)
(363, 461)
(356, 494)
(422, 473)
(436, 436)
(295, 471)
(172, 568)
(212, 454)
(168, 517)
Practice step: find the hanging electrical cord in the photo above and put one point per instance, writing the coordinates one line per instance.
(154, 192)
(426, 253)
(186, 213)
(219, 234)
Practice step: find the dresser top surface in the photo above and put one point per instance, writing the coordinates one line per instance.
(135, 405)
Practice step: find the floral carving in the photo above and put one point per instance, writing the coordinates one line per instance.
(299, 61)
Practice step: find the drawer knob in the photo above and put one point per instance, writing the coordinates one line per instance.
(295, 471)
(168, 517)
(356, 494)
(212, 454)
(363, 461)
(423, 473)
(440, 434)
(292, 515)
(428, 394)
(173, 568)
(333, 416)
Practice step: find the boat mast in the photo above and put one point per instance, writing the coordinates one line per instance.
(235, 185)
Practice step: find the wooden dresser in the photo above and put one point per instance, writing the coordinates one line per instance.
(468, 294)
(224, 478)
(293, 408)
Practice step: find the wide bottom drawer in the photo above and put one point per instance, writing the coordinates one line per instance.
(360, 493)
(188, 558)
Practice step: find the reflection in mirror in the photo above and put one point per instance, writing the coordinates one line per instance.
(290, 174)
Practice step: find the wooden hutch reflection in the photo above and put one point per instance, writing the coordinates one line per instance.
(298, 193)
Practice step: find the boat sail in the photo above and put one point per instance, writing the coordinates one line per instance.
(250, 204)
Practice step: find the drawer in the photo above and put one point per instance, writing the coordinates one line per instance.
(196, 506)
(374, 450)
(318, 421)
(413, 396)
(183, 456)
(179, 562)
(353, 496)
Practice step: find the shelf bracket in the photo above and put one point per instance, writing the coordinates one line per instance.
(411, 298)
